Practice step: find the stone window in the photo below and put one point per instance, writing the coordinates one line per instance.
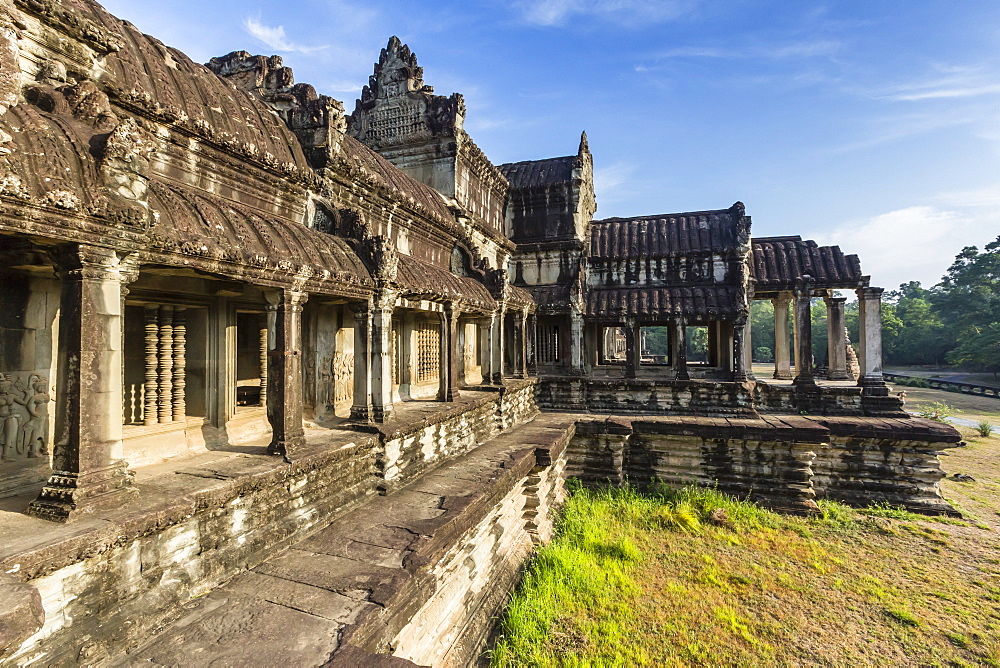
(548, 344)
(155, 372)
(428, 351)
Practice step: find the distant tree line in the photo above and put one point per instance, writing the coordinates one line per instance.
(954, 322)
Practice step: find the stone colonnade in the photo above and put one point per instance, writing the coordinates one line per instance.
(89, 470)
(870, 307)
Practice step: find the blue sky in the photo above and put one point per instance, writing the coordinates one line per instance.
(872, 124)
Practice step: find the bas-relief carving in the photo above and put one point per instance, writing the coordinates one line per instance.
(343, 377)
(24, 416)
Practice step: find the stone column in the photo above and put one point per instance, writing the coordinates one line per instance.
(361, 409)
(739, 352)
(533, 344)
(803, 338)
(179, 398)
(486, 348)
(748, 350)
(782, 363)
(381, 356)
(680, 361)
(497, 367)
(576, 342)
(837, 343)
(870, 325)
(631, 347)
(450, 354)
(88, 468)
(284, 387)
(523, 351)
(517, 339)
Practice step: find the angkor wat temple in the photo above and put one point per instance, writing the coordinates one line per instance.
(282, 384)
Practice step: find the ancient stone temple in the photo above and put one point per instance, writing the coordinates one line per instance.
(282, 384)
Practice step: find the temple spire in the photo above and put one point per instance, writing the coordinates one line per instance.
(584, 145)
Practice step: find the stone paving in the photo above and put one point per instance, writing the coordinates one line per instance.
(293, 608)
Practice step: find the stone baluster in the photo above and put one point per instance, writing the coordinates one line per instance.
(284, 388)
(180, 365)
(263, 366)
(152, 327)
(88, 467)
(782, 357)
(166, 387)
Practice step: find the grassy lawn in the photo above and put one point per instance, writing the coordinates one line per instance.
(697, 578)
(963, 405)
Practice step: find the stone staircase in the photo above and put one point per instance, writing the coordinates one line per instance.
(418, 573)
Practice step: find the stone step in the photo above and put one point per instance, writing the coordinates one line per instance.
(355, 583)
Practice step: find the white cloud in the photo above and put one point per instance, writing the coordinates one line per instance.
(628, 12)
(917, 243)
(275, 37)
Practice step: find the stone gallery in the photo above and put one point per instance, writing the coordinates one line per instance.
(285, 384)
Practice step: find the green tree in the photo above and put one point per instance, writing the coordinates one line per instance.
(979, 349)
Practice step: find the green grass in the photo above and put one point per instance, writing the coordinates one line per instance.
(695, 577)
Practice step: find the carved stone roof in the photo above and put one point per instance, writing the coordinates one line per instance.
(551, 298)
(710, 302)
(362, 157)
(420, 279)
(667, 234)
(198, 224)
(540, 173)
(783, 262)
(147, 73)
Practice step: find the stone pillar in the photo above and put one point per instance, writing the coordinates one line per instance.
(179, 398)
(631, 347)
(486, 348)
(782, 363)
(523, 351)
(576, 342)
(680, 360)
(837, 342)
(361, 409)
(284, 387)
(88, 468)
(803, 338)
(263, 365)
(748, 350)
(739, 352)
(381, 356)
(498, 346)
(870, 325)
(152, 384)
(533, 344)
(450, 354)
(517, 347)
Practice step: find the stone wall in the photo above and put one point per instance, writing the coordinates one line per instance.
(105, 585)
(630, 395)
(784, 463)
